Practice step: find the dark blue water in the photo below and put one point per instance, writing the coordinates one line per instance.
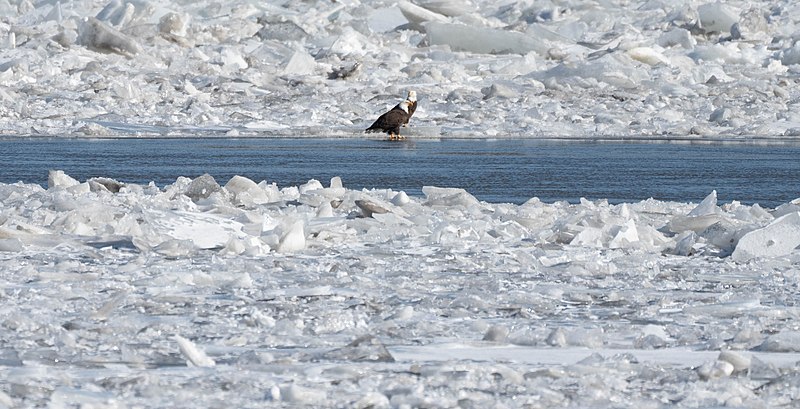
(494, 171)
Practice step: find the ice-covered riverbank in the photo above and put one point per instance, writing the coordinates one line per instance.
(250, 294)
(515, 68)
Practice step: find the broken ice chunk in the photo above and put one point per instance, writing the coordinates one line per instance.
(717, 17)
(791, 56)
(105, 184)
(173, 24)
(194, 356)
(439, 196)
(417, 15)
(715, 370)
(345, 71)
(369, 208)
(677, 36)
(400, 199)
(707, 206)
(65, 38)
(279, 29)
(386, 19)
(12, 245)
(301, 63)
(366, 348)
(373, 400)
(496, 333)
(294, 239)
(452, 8)
(740, 362)
(206, 231)
(778, 238)
(784, 341)
(117, 13)
(684, 243)
(626, 235)
(57, 178)
(483, 40)
(98, 36)
(500, 91)
(647, 55)
(202, 187)
(303, 396)
(700, 218)
(247, 192)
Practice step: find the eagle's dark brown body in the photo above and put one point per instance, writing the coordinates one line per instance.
(395, 118)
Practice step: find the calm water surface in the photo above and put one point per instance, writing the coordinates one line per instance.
(494, 171)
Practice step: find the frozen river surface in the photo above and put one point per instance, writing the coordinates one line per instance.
(496, 171)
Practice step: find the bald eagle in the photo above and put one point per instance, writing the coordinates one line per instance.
(391, 121)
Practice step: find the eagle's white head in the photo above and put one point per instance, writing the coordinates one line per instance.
(404, 105)
(412, 96)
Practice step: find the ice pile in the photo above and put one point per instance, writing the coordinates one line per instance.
(245, 292)
(245, 217)
(656, 69)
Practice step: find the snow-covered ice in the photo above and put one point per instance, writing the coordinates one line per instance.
(614, 69)
(243, 293)
(247, 294)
